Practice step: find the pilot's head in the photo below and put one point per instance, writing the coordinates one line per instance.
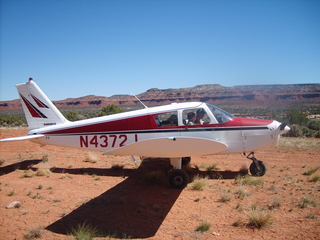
(200, 113)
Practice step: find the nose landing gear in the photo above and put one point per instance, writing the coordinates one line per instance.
(257, 168)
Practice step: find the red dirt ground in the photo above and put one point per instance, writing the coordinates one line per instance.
(120, 201)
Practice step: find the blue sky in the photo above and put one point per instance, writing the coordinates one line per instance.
(73, 48)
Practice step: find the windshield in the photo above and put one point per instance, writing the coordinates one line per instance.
(221, 115)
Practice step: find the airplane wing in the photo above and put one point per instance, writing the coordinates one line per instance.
(172, 147)
(22, 138)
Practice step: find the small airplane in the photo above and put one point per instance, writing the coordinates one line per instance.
(176, 131)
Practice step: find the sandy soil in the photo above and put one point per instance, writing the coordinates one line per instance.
(120, 201)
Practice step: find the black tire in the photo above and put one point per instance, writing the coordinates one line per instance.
(178, 179)
(258, 172)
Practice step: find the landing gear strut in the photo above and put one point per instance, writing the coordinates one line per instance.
(257, 168)
(178, 178)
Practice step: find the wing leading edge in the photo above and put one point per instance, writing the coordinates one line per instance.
(22, 138)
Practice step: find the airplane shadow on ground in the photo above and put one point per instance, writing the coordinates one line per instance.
(24, 165)
(132, 208)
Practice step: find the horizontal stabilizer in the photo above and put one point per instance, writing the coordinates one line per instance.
(22, 138)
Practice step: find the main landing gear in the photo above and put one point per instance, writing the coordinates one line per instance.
(257, 168)
(178, 178)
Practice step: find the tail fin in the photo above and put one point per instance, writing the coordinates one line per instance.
(38, 109)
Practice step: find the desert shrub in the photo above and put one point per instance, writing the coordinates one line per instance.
(295, 131)
(84, 232)
(258, 218)
(305, 201)
(315, 178)
(213, 167)
(242, 192)
(198, 183)
(203, 227)
(276, 203)
(91, 157)
(33, 233)
(110, 109)
(2, 160)
(71, 116)
(249, 180)
(117, 167)
(314, 125)
(310, 171)
(225, 198)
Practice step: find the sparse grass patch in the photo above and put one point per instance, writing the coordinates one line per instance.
(311, 216)
(198, 183)
(45, 158)
(305, 201)
(43, 172)
(213, 167)
(2, 161)
(34, 233)
(276, 203)
(310, 171)
(315, 178)
(84, 232)
(203, 227)
(249, 180)
(117, 167)
(225, 198)
(258, 218)
(28, 174)
(238, 223)
(242, 192)
(299, 144)
(91, 157)
(153, 177)
(11, 193)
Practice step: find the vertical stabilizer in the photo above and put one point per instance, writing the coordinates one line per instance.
(38, 109)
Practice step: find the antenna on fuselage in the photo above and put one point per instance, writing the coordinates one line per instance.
(139, 100)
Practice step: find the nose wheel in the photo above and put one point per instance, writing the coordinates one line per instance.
(257, 167)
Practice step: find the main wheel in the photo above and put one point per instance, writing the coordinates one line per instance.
(178, 179)
(255, 171)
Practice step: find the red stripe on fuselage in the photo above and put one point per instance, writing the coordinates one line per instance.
(147, 122)
(128, 124)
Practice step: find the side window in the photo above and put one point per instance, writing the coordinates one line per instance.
(167, 119)
(195, 117)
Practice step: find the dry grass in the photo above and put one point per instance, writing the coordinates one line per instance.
(198, 183)
(91, 157)
(300, 144)
(249, 180)
(258, 218)
(203, 227)
(242, 192)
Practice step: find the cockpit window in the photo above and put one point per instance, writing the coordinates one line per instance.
(167, 119)
(197, 116)
(221, 115)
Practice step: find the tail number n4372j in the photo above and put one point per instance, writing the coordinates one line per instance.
(104, 141)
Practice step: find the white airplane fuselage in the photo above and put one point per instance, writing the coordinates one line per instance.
(137, 133)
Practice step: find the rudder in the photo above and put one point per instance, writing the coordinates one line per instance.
(38, 109)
